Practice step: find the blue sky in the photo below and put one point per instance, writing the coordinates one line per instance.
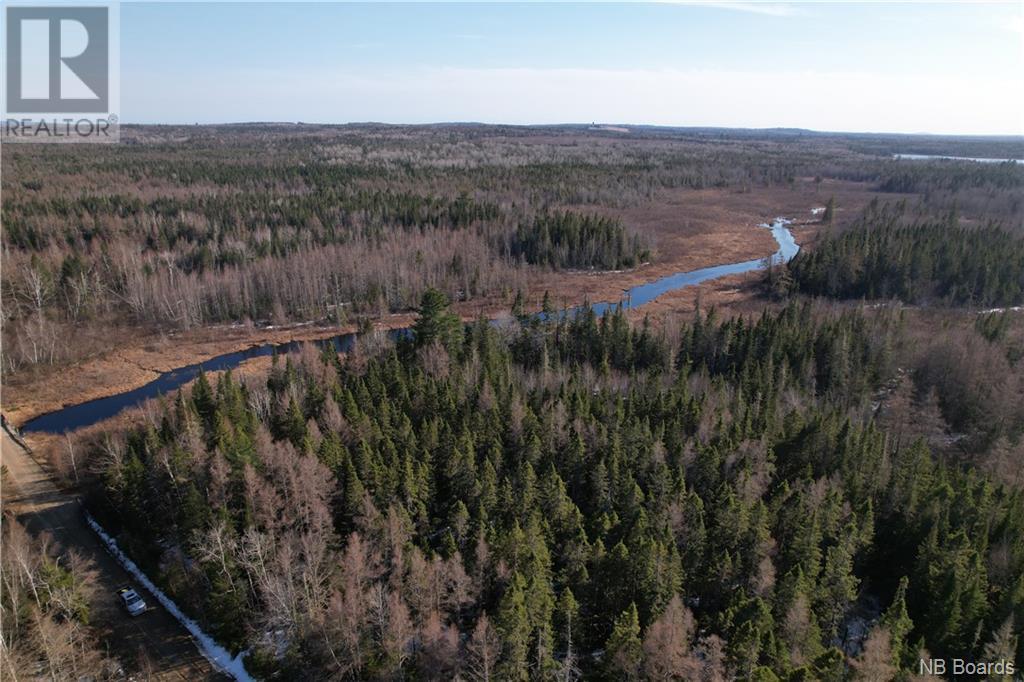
(921, 67)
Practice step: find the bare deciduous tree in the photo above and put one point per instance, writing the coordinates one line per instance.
(666, 645)
(482, 651)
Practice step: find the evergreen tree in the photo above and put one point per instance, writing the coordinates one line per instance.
(830, 211)
(513, 626)
(437, 323)
(623, 651)
(896, 621)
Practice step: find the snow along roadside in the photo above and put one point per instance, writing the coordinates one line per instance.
(213, 652)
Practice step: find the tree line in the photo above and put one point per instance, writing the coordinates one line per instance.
(885, 256)
(572, 240)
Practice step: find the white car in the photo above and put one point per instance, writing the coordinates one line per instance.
(131, 600)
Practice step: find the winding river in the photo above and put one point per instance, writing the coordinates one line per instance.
(88, 413)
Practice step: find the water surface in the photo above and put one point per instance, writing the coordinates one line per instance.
(93, 411)
(928, 157)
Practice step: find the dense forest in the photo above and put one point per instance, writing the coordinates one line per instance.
(571, 240)
(883, 255)
(827, 489)
(575, 497)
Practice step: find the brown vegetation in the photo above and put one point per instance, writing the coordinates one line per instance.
(692, 229)
(45, 612)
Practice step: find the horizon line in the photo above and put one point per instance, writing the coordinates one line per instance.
(597, 126)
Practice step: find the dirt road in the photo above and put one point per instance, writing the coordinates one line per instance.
(167, 648)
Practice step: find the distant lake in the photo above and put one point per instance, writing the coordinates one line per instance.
(927, 157)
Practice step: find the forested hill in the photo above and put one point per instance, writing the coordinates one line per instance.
(884, 256)
(571, 498)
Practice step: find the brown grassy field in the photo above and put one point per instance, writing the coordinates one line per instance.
(691, 229)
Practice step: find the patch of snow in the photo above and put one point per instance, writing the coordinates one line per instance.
(1014, 309)
(817, 209)
(217, 655)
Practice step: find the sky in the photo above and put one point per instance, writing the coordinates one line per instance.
(946, 68)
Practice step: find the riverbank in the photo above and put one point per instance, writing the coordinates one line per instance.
(133, 366)
(694, 229)
(88, 413)
(143, 360)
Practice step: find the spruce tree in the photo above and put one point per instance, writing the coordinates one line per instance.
(437, 323)
(623, 651)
